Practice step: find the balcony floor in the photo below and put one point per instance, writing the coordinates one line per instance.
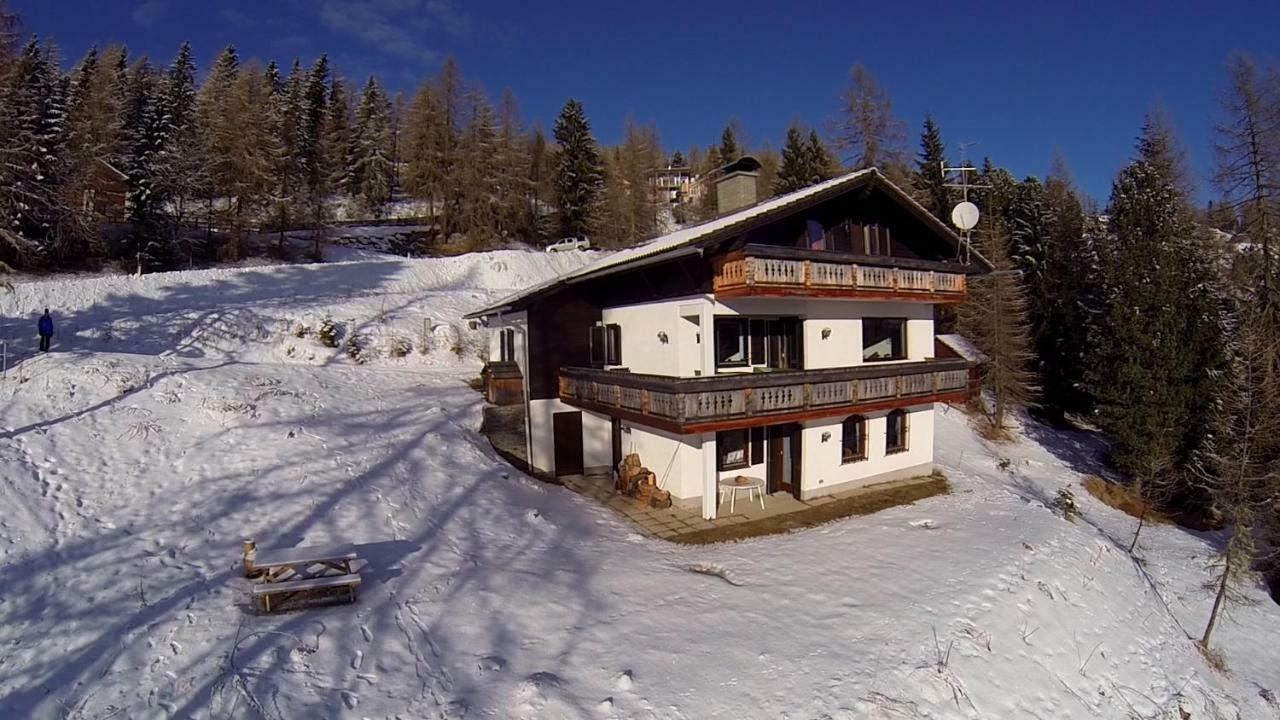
(782, 512)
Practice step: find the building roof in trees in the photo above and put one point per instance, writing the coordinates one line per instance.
(691, 240)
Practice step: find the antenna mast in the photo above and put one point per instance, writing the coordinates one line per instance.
(965, 214)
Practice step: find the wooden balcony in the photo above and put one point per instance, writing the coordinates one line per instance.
(722, 402)
(760, 270)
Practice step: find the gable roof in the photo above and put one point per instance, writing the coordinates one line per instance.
(692, 239)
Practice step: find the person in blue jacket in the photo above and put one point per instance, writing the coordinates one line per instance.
(45, 326)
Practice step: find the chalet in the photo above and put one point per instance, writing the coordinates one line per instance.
(105, 192)
(791, 341)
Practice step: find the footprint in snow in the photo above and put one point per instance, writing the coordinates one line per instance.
(176, 648)
(350, 699)
(925, 524)
(368, 636)
(358, 660)
(490, 663)
(625, 681)
(605, 706)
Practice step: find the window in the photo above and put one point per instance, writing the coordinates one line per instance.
(854, 444)
(738, 449)
(884, 339)
(895, 432)
(507, 344)
(606, 345)
(876, 240)
(731, 342)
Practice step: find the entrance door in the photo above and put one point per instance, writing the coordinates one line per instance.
(567, 432)
(782, 463)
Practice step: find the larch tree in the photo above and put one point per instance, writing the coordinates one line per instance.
(512, 165)
(217, 131)
(1247, 163)
(478, 178)
(1242, 470)
(578, 173)
(929, 181)
(865, 129)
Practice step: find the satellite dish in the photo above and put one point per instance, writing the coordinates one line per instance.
(965, 216)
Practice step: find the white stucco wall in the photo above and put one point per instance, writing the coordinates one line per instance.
(823, 468)
(676, 460)
(643, 351)
(596, 450)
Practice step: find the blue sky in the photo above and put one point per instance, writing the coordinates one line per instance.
(1018, 80)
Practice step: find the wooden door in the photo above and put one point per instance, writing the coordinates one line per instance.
(782, 459)
(567, 433)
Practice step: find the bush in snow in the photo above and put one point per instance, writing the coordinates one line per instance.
(301, 331)
(1065, 503)
(328, 332)
(358, 349)
(398, 347)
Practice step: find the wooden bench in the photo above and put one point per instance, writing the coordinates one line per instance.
(263, 592)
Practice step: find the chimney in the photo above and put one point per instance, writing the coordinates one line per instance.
(736, 185)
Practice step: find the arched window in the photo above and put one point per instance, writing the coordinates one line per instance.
(895, 433)
(853, 446)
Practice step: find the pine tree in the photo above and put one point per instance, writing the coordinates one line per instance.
(369, 176)
(820, 163)
(541, 188)
(579, 172)
(1247, 171)
(929, 180)
(146, 137)
(33, 158)
(866, 130)
(677, 159)
(794, 173)
(1071, 286)
(186, 175)
(1160, 339)
(729, 145)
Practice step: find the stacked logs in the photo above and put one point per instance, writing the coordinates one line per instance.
(639, 482)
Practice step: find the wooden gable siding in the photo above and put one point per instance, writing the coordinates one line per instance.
(910, 237)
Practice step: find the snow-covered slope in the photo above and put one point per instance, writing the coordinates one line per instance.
(134, 462)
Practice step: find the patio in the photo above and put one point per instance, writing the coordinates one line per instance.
(782, 512)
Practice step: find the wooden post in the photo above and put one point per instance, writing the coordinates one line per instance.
(808, 273)
(249, 549)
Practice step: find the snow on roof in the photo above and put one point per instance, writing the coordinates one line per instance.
(670, 245)
(963, 347)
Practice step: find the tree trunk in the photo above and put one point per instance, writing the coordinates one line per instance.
(1141, 521)
(1218, 600)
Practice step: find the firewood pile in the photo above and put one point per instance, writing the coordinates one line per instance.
(639, 482)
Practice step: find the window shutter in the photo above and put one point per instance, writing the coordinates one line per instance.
(597, 343)
(757, 445)
(758, 334)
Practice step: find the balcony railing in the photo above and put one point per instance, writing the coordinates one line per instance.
(756, 271)
(710, 399)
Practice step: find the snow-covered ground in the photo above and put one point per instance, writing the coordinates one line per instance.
(181, 415)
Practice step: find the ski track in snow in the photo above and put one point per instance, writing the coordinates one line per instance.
(181, 415)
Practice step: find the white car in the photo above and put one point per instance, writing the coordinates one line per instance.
(570, 243)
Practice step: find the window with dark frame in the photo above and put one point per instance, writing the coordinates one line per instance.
(884, 339)
(895, 432)
(606, 345)
(853, 446)
(732, 348)
(739, 449)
